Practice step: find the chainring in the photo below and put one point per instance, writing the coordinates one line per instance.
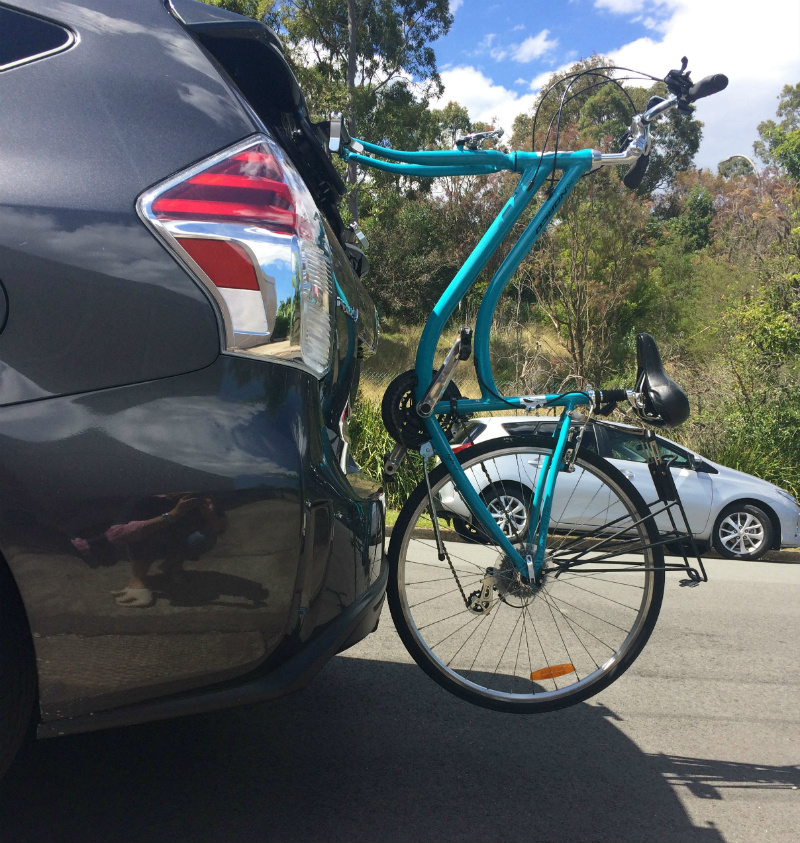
(399, 411)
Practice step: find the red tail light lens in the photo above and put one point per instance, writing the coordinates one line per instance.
(248, 187)
(246, 225)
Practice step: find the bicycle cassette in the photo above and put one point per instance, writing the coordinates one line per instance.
(399, 411)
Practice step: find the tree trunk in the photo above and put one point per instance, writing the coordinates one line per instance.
(353, 25)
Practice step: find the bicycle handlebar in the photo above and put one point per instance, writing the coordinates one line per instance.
(708, 86)
(633, 178)
(470, 159)
(638, 150)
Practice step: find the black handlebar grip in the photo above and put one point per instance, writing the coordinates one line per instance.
(611, 396)
(633, 178)
(705, 87)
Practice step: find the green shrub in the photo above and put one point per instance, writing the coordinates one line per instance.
(370, 442)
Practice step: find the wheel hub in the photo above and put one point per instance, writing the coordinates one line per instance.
(513, 588)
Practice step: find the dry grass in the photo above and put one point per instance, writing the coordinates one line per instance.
(524, 360)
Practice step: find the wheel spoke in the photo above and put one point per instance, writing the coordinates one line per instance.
(571, 628)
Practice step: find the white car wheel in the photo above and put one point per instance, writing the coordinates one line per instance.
(508, 505)
(743, 531)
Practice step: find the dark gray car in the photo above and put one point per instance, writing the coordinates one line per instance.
(181, 525)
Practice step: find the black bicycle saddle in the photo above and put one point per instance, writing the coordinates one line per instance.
(665, 403)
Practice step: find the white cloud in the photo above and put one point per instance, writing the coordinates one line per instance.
(483, 99)
(534, 47)
(488, 44)
(531, 48)
(540, 80)
(455, 5)
(620, 7)
(759, 53)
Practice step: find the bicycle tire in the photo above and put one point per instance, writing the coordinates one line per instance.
(592, 622)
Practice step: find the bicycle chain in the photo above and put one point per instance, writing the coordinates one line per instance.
(455, 577)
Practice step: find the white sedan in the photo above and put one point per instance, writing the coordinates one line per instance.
(740, 515)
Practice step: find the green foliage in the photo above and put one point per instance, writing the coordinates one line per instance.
(693, 225)
(779, 143)
(763, 444)
(367, 44)
(370, 442)
(256, 9)
(735, 167)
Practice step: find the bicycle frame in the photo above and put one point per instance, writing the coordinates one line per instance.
(535, 168)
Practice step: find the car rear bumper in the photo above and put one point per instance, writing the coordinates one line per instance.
(357, 620)
(296, 542)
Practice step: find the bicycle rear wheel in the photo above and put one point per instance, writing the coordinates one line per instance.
(485, 633)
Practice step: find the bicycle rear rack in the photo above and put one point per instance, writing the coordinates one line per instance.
(668, 495)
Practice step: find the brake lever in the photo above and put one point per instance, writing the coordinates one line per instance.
(475, 140)
(678, 83)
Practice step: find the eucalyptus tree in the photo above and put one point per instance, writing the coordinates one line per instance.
(359, 49)
(779, 143)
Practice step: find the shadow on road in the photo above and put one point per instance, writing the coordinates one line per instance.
(372, 751)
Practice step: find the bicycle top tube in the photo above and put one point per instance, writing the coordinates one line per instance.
(535, 169)
(461, 162)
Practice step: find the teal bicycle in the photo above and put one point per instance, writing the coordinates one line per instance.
(527, 573)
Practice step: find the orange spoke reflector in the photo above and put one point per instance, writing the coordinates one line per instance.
(552, 672)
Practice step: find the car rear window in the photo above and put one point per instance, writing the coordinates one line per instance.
(547, 428)
(25, 38)
(519, 427)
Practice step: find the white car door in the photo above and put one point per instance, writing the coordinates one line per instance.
(580, 499)
(627, 453)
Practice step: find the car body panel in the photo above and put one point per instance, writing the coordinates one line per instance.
(221, 614)
(141, 101)
(116, 403)
(732, 486)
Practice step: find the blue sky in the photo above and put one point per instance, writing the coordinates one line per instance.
(499, 52)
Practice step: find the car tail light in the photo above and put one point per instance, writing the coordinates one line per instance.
(246, 226)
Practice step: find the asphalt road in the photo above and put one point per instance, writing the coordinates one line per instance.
(699, 741)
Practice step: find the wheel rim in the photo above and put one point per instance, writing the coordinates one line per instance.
(742, 533)
(587, 625)
(509, 514)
